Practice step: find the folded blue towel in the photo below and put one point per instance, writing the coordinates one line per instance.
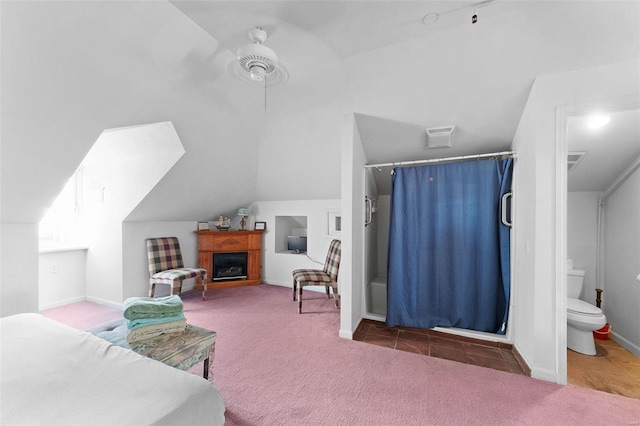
(142, 322)
(149, 307)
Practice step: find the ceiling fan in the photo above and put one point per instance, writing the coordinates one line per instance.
(256, 62)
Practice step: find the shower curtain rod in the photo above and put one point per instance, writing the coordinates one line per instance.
(442, 160)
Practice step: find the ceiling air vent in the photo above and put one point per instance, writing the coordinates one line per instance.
(440, 137)
(573, 158)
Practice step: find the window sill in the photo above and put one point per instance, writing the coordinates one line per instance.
(61, 249)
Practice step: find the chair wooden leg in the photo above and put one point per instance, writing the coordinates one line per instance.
(176, 288)
(300, 299)
(326, 287)
(203, 282)
(152, 289)
(336, 297)
(295, 287)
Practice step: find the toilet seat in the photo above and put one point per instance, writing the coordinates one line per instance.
(580, 307)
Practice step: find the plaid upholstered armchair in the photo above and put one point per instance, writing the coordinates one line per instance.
(167, 267)
(328, 276)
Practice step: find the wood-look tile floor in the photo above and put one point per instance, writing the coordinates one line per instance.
(613, 369)
(494, 355)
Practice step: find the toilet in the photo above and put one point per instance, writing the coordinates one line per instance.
(582, 317)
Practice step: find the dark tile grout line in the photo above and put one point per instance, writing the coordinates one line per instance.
(381, 333)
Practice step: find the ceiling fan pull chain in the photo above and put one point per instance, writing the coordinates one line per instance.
(265, 93)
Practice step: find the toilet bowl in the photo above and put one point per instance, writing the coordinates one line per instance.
(582, 319)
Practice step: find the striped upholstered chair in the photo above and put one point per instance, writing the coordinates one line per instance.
(167, 267)
(328, 277)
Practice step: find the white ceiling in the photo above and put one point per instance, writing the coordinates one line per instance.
(318, 31)
(610, 150)
(72, 69)
(405, 76)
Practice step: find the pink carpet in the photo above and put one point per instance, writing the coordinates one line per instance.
(275, 367)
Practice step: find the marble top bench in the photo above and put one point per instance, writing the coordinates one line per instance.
(179, 350)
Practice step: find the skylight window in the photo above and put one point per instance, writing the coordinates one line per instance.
(60, 227)
(109, 184)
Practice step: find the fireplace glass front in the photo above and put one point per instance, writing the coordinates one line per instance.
(229, 266)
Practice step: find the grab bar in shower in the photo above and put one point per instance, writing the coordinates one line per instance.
(368, 212)
(503, 209)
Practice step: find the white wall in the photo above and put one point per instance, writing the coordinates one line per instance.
(582, 238)
(63, 277)
(277, 266)
(117, 177)
(299, 154)
(353, 249)
(67, 74)
(621, 296)
(19, 268)
(539, 291)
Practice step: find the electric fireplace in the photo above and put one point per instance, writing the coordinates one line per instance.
(229, 266)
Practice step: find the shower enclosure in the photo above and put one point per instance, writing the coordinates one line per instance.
(376, 222)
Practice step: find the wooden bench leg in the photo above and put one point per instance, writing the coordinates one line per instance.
(208, 363)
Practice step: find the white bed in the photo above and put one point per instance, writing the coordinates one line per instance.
(54, 374)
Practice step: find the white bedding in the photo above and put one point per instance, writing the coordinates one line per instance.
(54, 374)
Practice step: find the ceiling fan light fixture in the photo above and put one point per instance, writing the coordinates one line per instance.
(257, 72)
(257, 63)
(255, 58)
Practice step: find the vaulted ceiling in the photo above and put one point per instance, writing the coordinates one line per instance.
(73, 69)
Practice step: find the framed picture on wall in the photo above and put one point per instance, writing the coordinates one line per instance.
(203, 226)
(260, 226)
(334, 223)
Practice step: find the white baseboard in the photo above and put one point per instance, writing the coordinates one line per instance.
(345, 334)
(278, 284)
(61, 303)
(544, 374)
(630, 346)
(375, 317)
(104, 302)
(342, 333)
(316, 288)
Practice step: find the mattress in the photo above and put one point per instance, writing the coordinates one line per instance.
(52, 374)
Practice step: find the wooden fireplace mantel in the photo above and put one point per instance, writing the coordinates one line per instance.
(212, 242)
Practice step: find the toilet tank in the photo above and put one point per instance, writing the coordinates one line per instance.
(575, 278)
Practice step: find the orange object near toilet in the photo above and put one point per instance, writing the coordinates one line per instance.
(603, 333)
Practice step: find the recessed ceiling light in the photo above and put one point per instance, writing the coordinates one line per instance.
(595, 121)
(430, 19)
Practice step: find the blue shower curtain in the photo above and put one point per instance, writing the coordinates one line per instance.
(448, 262)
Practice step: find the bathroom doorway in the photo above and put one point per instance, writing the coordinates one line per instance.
(602, 206)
